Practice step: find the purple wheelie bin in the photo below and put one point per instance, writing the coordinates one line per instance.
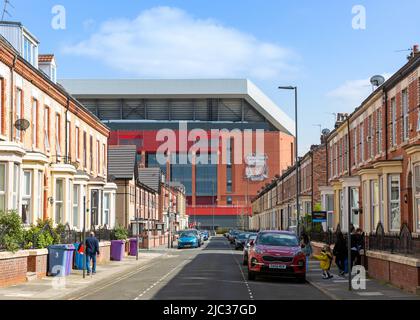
(117, 250)
(134, 247)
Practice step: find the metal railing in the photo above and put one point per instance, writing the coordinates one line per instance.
(399, 243)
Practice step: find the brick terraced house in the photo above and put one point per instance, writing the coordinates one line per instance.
(372, 168)
(53, 151)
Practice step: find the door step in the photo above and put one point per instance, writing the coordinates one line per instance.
(31, 276)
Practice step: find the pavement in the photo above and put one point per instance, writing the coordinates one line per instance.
(212, 272)
(337, 287)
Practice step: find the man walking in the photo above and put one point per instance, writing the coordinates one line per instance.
(92, 249)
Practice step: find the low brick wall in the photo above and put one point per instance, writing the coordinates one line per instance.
(13, 268)
(401, 271)
(105, 250)
(38, 262)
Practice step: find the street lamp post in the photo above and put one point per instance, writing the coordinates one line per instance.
(296, 154)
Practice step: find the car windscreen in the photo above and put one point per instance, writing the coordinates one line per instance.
(243, 236)
(187, 234)
(277, 239)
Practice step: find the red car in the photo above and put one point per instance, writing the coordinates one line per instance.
(276, 253)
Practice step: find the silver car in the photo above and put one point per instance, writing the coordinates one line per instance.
(252, 237)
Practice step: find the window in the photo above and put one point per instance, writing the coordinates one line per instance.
(98, 157)
(2, 187)
(354, 196)
(346, 153)
(68, 139)
(404, 107)
(107, 205)
(57, 134)
(362, 143)
(394, 202)
(47, 128)
(18, 110)
(84, 150)
(91, 153)
(16, 186)
(374, 200)
(29, 51)
(370, 137)
(76, 205)
(59, 193)
(34, 123)
(379, 132)
(393, 122)
(26, 197)
(104, 160)
(2, 106)
(40, 190)
(355, 147)
(416, 189)
(76, 140)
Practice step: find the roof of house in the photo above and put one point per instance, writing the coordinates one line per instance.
(45, 58)
(150, 177)
(121, 161)
(185, 88)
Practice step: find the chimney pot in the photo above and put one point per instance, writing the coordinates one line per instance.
(416, 48)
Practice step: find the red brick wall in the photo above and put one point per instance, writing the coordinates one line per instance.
(38, 264)
(13, 271)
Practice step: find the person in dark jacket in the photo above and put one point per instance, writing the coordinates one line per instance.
(92, 249)
(340, 253)
(357, 246)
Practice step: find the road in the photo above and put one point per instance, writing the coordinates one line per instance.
(213, 272)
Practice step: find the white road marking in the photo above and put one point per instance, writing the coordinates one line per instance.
(369, 294)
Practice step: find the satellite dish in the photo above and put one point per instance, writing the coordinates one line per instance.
(22, 124)
(326, 132)
(377, 80)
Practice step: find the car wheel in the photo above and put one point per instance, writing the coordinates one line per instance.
(251, 275)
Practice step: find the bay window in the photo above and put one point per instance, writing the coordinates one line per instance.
(16, 186)
(416, 190)
(40, 194)
(394, 203)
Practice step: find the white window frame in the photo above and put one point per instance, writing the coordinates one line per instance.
(27, 196)
(3, 186)
(76, 205)
(374, 204)
(58, 201)
(356, 147)
(390, 201)
(40, 194)
(107, 209)
(57, 134)
(16, 186)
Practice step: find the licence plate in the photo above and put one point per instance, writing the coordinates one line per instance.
(277, 266)
(187, 246)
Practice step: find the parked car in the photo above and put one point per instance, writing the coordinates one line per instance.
(251, 237)
(233, 235)
(276, 253)
(240, 240)
(206, 235)
(188, 239)
(198, 235)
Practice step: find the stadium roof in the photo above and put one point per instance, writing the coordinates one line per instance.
(185, 88)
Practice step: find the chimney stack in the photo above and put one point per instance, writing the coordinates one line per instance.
(415, 49)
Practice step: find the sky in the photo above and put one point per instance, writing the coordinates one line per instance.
(328, 49)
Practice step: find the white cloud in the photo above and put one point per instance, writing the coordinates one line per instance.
(168, 42)
(352, 93)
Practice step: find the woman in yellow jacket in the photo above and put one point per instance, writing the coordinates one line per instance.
(325, 258)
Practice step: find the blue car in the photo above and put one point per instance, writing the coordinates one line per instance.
(188, 239)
